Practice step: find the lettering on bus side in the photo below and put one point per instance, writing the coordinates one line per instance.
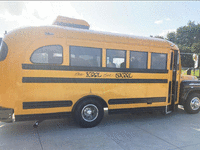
(91, 74)
(78, 74)
(123, 75)
(108, 75)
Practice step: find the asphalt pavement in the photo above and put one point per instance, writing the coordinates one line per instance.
(144, 131)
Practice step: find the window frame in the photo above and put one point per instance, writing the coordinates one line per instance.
(47, 63)
(165, 62)
(140, 52)
(124, 59)
(101, 50)
(3, 50)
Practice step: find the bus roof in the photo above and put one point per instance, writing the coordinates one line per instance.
(32, 33)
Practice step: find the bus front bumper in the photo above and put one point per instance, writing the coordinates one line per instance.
(6, 115)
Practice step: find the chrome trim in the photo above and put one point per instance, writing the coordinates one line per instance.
(166, 111)
(195, 103)
(89, 113)
(7, 115)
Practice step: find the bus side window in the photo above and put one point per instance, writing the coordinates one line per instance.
(51, 54)
(116, 58)
(85, 56)
(158, 61)
(138, 60)
(3, 50)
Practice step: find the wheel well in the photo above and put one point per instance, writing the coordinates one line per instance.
(196, 91)
(99, 99)
(191, 92)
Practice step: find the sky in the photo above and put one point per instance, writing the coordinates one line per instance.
(143, 18)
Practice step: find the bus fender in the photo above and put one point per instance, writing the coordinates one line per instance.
(187, 92)
(102, 101)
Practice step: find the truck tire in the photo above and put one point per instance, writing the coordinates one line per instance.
(88, 113)
(192, 104)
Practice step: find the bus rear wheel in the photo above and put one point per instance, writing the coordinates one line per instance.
(88, 113)
(192, 104)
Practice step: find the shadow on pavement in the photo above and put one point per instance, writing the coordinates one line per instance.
(19, 128)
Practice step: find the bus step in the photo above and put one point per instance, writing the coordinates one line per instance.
(167, 111)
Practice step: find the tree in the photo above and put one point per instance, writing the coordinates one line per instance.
(196, 48)
(187, 37)
(171, 37)
(157, 36)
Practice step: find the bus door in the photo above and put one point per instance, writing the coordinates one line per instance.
(174, 83)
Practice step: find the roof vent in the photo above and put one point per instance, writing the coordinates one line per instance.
(71, 22)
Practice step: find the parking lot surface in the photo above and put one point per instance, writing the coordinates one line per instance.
(177, 131)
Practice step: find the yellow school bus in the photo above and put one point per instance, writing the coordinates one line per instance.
(67, 69)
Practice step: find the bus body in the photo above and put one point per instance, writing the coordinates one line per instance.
(54, 71)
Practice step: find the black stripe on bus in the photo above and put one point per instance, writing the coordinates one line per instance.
(176, 91)
(137, 100)
(169, 92)
(82, 68)
(46, 104)
(88, 80)
(136, 110)
(42, 116)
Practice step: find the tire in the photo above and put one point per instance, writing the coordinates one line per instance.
(88, 113)
(192, 104)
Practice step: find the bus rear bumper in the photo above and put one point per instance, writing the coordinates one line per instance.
(6, 115)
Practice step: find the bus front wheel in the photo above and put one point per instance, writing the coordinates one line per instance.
(88, 113)
(192, 104)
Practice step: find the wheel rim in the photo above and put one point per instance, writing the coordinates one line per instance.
(194, 104)
(89, 112)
